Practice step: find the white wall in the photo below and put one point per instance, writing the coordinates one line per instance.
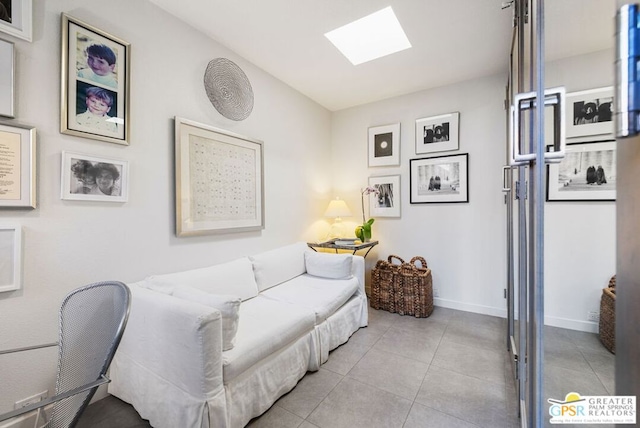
(70, 243)
(580, 254)
(464, 244)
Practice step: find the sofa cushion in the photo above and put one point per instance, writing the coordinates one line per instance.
(234, 278)
(228, 306)
(277, 266)
(326, 265)
(320, 295)
(265, 327)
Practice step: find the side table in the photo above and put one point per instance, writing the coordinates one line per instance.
(350, 247)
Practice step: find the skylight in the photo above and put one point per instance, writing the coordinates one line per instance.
(371, 37)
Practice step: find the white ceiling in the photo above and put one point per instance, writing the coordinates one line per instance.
(453, 41)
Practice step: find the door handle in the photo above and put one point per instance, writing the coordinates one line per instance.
(506, 186)
(552, 97)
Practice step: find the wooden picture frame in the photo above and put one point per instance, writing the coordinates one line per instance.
(386, 203)
(384, 145)
(91, 178)
(587, 173)
(11, 255)
(16, 18)
(441, 179)
(589, 112)
(219, 180)
(95, 83)
(18, 170)
(437, 133)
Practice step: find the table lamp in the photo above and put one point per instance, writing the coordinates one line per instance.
(337, 209)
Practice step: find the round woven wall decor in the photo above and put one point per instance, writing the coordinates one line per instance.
(228, 89)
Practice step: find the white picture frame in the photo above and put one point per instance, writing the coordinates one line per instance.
(91, 178)
(386, 203)
(589, 112)
(219, 180)
(11, 256)
(384, 145)
(437, 133)
(7, 78)
(19, 22)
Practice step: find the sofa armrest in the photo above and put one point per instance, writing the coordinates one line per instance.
(174, 339)
(357, 270)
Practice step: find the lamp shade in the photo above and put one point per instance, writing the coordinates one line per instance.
(337, 208)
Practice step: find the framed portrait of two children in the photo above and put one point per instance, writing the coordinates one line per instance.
(95, 83)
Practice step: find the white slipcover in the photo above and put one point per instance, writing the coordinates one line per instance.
(170, 364)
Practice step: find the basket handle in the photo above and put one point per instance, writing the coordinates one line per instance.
(393, 256)
(408, 267)
(422, 261)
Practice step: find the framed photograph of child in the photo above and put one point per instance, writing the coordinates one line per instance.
(89, 178)
(589, 112)
(95, 83)
(386, 202)
(437, 133)
(384, 145)
(587, 173)
(16, 18)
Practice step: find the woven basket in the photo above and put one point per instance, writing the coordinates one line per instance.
(608, 316)
(402, 288)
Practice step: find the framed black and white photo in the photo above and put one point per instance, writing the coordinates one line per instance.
(437, 133)
(587, 173)
(589, 112)
(219, 180)
(386, 202)
(16, 18)
(11, 256)
(7, 78)
(17, 166)
(384, 145)
(90, 178)
(439, 179)
(95, 83)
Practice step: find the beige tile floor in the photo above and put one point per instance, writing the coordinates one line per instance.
(448, 370)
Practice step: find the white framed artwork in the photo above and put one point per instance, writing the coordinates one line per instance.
(10, 258)
(384, 145)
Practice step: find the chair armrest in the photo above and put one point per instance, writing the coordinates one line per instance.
(176, 340)
(357, 270)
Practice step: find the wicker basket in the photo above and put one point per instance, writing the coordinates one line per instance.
(608, 316)
(402, 288)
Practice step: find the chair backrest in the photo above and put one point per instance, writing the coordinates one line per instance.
(92, 321)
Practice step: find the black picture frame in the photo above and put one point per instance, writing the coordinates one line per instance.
(439, 179)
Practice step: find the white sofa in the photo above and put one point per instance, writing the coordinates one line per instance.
(288, 308)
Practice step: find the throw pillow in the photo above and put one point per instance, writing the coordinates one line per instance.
(325, 265)
(227, 305)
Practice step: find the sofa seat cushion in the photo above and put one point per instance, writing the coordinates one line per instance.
(265, 327)
(322, 296)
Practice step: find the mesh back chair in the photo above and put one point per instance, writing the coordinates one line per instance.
(92, 321)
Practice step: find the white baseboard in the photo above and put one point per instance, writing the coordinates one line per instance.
(588, 326)
(571, 324)
(469, 307)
